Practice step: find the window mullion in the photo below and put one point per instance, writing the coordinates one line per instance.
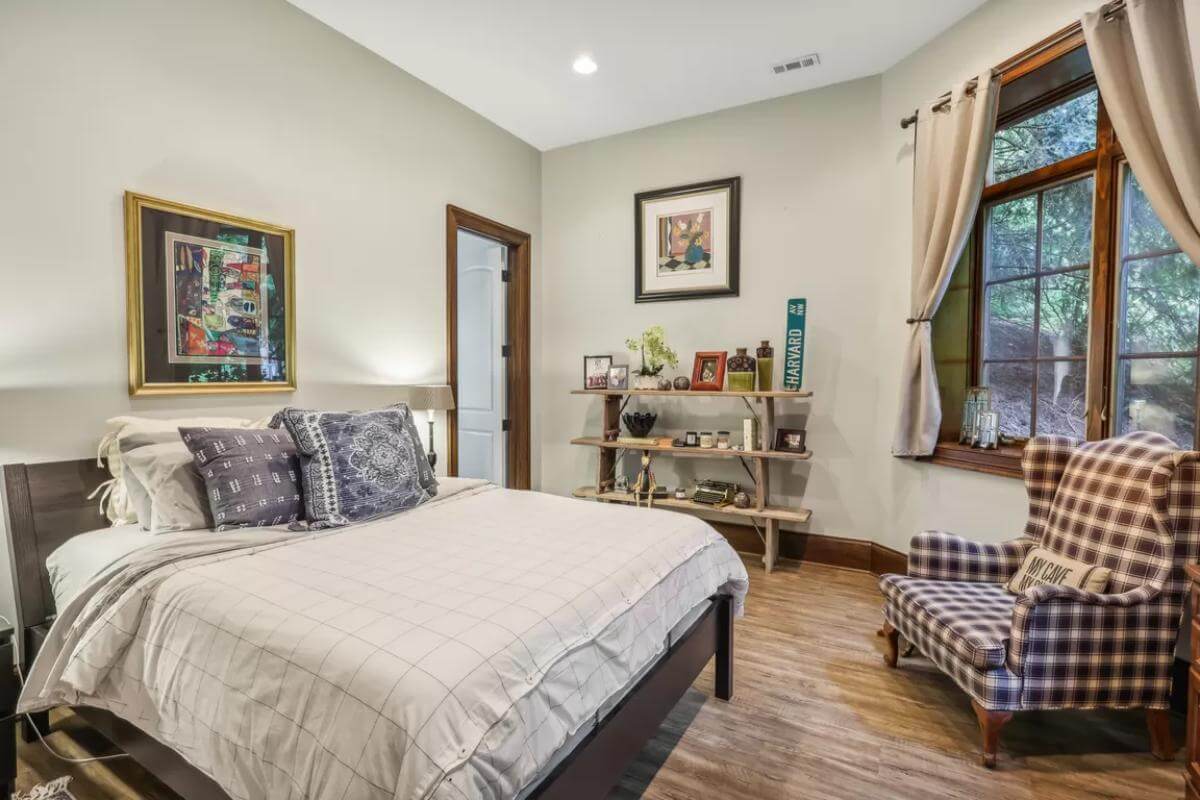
(1099, 421)
(1037, 313)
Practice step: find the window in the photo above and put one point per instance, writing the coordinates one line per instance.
(1073, 303)
(1037, 259)
(1053, 135)
(1158, 324)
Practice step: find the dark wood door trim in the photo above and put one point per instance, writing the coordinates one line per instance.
(517, 314)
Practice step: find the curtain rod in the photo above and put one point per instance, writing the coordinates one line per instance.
(1109, 10)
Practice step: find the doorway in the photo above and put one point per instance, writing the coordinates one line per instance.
(487, 334)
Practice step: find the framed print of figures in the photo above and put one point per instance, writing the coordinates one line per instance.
(687, 241)
(210, 301)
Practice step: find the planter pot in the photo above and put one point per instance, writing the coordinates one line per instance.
(644, 382)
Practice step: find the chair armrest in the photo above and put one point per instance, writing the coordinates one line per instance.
(1058, 627)
(944, 556)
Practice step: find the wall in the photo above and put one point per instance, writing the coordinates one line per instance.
(256, 109)
(827, 179)
(922, 495)
(810, 188)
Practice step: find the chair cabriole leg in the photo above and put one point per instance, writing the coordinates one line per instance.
(990, 723)
(891, 644)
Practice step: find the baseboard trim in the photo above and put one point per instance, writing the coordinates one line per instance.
(819, 549)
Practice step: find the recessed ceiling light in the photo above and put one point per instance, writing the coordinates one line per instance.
(584, 65)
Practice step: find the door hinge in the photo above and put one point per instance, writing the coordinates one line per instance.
(504, 425)
(506, 351)
(506, 275)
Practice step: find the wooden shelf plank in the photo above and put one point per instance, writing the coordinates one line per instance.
(799, 515)
(803, 394)
(694, 452)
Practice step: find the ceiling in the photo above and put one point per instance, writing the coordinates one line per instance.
(660, 60)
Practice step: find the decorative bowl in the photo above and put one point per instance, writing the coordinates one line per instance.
(640, 423)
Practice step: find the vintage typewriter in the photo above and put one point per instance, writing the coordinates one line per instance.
(714, 493)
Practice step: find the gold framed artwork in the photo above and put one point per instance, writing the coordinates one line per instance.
(211, 301)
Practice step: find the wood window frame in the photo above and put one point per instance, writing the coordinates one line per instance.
(1104, 162)
(517, 363)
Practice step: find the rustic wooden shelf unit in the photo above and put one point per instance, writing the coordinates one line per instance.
(761, 457)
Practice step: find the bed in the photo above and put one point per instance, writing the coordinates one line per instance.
(490, 643)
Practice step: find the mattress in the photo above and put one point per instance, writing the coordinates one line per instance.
(457, 649)
(78, 561)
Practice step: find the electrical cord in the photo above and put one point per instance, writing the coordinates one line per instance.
(45, 744)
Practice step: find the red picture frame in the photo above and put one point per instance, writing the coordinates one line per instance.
(708, 371)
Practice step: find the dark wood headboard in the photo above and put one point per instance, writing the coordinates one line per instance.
(44, 506)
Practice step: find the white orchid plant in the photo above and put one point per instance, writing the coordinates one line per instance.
(654, 351)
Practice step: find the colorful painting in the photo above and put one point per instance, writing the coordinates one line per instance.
(217, 299)
(211, 300)
(685, 241)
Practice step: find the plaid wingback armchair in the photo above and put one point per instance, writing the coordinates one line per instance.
(1131, 504)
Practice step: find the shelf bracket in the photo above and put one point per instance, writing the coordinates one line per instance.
(758, 530)
(753, 480)
(746, 400)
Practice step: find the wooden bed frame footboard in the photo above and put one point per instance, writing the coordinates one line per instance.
(46, 504)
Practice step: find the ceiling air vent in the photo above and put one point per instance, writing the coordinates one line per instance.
(793, 64)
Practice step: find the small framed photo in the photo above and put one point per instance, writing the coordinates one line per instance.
(595, 371)
(618, 377)
(790, 440)
(708, 371)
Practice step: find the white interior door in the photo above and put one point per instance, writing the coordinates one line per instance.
(482, 445)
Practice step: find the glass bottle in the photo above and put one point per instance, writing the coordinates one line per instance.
(741, 372)
(766, 366)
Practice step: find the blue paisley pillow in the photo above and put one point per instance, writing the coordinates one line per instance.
(357, 465)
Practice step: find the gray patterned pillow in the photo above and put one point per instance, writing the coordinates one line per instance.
(358, 464)
(251, 477)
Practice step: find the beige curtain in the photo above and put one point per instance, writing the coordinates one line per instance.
(1145, 66)
(952, 150)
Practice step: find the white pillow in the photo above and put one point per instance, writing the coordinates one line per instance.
(174, 491)
(1042, 567)
(116, 502)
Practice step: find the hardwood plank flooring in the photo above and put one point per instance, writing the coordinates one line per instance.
(815, 714)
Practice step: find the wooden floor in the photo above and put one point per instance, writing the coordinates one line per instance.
(815, 714)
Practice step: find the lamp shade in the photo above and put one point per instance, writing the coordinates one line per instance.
(435, 397)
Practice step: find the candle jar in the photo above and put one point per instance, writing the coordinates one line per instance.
(691, 439)
(706, 439)
(722, 440)
(741, 372)
(766, 366)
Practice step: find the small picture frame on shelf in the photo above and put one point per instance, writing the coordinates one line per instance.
(708, 371)
(618, 376)
(790, 440)
(595, 371)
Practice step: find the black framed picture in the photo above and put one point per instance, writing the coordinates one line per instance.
(686, 240)
(790, 440)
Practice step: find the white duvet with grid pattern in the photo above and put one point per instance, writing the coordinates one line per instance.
(446, 652)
